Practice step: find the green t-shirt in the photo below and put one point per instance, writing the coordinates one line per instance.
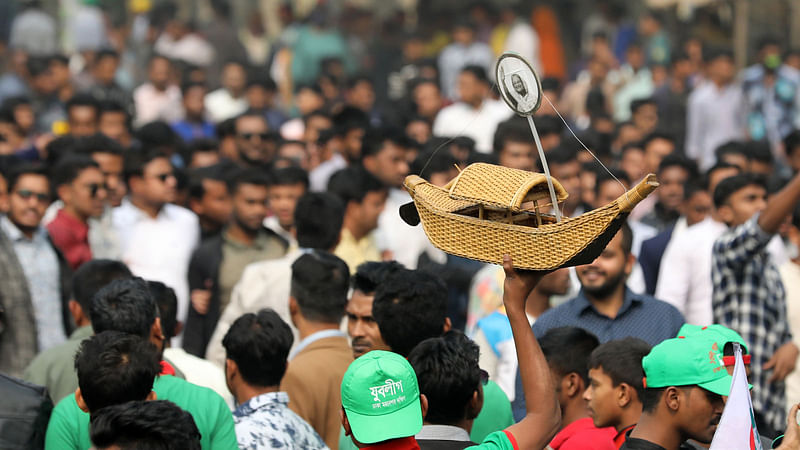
(69, 426)
(495, 415)
(499, 440)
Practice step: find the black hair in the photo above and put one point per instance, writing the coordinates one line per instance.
(448, 375)
(675, 159)
(477, 71)
(730, 148)
(627, 238)
(113, 106)
(375, 139)
(135, 162)
(167, 303)
(371, 274)
(185, 87)
(262, 80)
(18, 171)
(97, 143)
(759, 151)
(105, 53)
(37, 65)
(718, 166)
(310, 86)
(547, 124)
(319, 285)
(438, 162)
(563, 154)
(82, 100)
(730, 185)
(114, 367)
(712, 54)
(226, 128)
(59, 147)
(157, 56)
(409, 307)
(796, 216)
(94, 275)
(604, 177)
(637, 146)
(621, 360)
(567, 350)
(259, 344)
(640, 102)
(250, 176)
(550, 84)
(124, 305)
(158, 134)
(200, 145)
(350, 118)
(692, 187)
(655, 136)
(514, 129)
(69, 168)
(289, 176)
(198, 175)
(318, 219)
(792, 142)
(354, 80)
(353, 183)
(140, 425)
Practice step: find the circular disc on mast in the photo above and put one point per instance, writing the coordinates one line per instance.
(518, 84)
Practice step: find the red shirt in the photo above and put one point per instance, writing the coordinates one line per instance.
(71, 236)
(583, 435)
(619, 439)
(408, 443)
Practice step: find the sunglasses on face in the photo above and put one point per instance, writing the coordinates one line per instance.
(250, 136)
(27, 194)
(94, 188)
(163, 177)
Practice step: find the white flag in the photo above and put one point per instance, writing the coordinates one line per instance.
(737, 427)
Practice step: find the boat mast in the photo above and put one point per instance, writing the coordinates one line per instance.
(545, 167)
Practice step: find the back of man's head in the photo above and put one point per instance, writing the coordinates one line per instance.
(115, 367)
(353, 184)
(259, 345)
(167, 307)
(318, 219)
(124, 305)
(320, 281)
(93, 276)
(621, 360)
(155, 425)
(449, 376)
(567, 351)
(410, 306)
(371, 274)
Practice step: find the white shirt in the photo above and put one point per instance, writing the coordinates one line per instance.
(455, 56)
(790, 275)
(524, 40)
(713, 117)
(200, 372)
(159, 249)
(272, 223)
(152, 104)
(191, 48)
(220, 105)
(684, 279)
(460, 119)
(405, 242)
(319, 176)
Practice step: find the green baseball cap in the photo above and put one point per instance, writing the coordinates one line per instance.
(381, 397)
(722, 335)
(687, 361)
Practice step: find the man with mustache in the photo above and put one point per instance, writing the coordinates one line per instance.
(362, 328)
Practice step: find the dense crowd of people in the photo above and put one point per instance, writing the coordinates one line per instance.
(201, 245)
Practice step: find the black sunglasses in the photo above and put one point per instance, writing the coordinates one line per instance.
(95, 187)
(164, 176)
(26, 194)
(250, 136)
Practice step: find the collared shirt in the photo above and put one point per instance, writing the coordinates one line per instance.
(357, 251)
(407, 443)
(714, 117)
(582, 434)
(313, 338)
(221, 105)
(40, 264)
(265, 421)
(272, 223)
(236, 256)
(159, 248)
(619, 439)
(749, 297)
(480, 124)
(454, 57)
(442, 433)
(634, 85)
(71, 236)
(640, 444)
(772, 110)
(635, 318)
(152, 104)
(55, 368)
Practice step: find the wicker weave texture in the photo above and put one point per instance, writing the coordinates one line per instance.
(501, 187)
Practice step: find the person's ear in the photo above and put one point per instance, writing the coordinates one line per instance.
(725, 213)
(475, 404)
(672, 397)
(231, 368)
(294, 308)
(196, 206)
(370, 163)
(345, 423)
(77, 313)
(572, 384)
(151, 397)
(624, 395)
(423, 403)
(448, 325)
(79, 400)
(156, 334)
(64, 193)
(630, 260)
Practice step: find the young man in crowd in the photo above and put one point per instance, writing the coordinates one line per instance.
(147, 424)
(79, 184)
(397, 415)
(156, 237)
(286, 186)
(218, 263)
(673, 173)
(255, 146)
(682, 398)
(565, 168)
(266, 284)
(364, 197)
(210, 199)
(362, 328)
(514, 146)
(114, 122)
(82, 115)
(194, 124)
(749, 296)
(567, 351)
(614, 393)
(55, 367)
(317, 302)
(34, 274)
(158, 99)
(256, 348)
(126, 306)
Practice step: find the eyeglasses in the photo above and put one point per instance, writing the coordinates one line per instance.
(164, 176)
(250, 136)
(27, 194)
(95, 187)
(484, 377)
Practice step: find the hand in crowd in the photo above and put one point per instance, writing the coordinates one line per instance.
(201, 298)
(782, 362)
(791, 439)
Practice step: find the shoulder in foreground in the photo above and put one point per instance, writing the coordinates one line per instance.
(180, 213)
(659, 307)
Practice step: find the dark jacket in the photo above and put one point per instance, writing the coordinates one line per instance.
(650, 258)
(18, 340)
(203, 267)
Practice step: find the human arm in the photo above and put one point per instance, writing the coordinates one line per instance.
(780, 205)
(674, 276)
(783, 361)
(791, 438)
(543, 415)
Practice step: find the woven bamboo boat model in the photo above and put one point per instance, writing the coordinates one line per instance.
(488, 211)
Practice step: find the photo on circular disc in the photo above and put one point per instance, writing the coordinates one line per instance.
(518, 84)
